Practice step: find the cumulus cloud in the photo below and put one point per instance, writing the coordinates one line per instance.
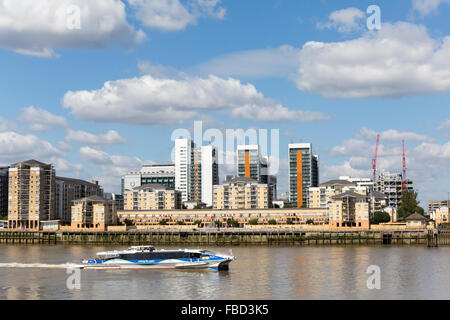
(345, 20)
(83, 137)
(426, 7)
(173, 15)
(37, 27)
(110, 168)
(41, 120)
(150, 100)
(6, 125)
(443, 125)
(394, 135)
(17, 147)
(400, 59)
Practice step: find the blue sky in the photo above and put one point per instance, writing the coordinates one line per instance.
(311, 69)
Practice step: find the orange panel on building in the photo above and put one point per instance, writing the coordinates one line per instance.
(247, 165)
(299, 179)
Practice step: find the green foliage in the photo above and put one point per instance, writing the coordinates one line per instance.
(163, 222)
(272, 221)
(288, 205)
(409, 205)
(253, 222)
(289, 221)
(3, 217)
(180, 223)
(310, 221)
(218, 224)
(198, 222)
(232, 223)
(128, 222)
(381, 217)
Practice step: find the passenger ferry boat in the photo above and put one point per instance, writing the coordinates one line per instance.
(147, 257)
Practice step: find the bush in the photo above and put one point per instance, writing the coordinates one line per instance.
(180, 223)
(198, 222)
(380, 217)
(128, 222)
(253, 222)
(289, 221)
(232, 223)
(218, 224)
(163, 222)
(288, 205)
(272, 222)
(310, 221)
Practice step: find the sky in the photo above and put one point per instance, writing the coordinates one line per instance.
(99, 87)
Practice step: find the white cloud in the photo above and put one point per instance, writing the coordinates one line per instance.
(6, 125)
(17, 147)
(352, 146)
(37, 27)
(173, 15)
(394, 135)
(260, 63)
(444, 125)
(400, 59)
(83, 137)
(41, 120)
(110, 168)
(149, 100)
(426, 7)
(345, 20)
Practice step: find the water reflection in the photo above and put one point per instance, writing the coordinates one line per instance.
(259, 273)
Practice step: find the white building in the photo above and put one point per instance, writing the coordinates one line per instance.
(163, 174)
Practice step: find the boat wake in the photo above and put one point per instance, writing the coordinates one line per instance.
(39, 265)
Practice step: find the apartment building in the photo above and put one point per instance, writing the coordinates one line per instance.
(349, 210)
(434, 205)
(303, 172)
(242, 193)
(67, 190)
(4, 174)
(31, 194)
(196, 170)
(93, 213)
(442, 215)
(152, 197)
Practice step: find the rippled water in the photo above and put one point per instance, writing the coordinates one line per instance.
(261, 272)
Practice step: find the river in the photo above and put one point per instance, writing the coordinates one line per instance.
(260, 272)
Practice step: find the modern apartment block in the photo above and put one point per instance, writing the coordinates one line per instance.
(349, 210)
(4, 173)
(152, 197)
(434, 205)
(31, 194)
(242, 193)
(93, 213)
(303, 172)
(163, 174)
(118, 198)
(196, 171)
(391, 184)
(68, 189)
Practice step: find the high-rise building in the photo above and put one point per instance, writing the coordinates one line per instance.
(303, 172)
(196, 171)
(69, 189)
(163, 174)
(31, 194)
(4, 191)
(242, 193)
(391, 184)
(250, 163)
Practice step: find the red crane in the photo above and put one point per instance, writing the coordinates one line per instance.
(374, 161)
(404, 167)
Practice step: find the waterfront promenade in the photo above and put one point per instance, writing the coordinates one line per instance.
(229, 236)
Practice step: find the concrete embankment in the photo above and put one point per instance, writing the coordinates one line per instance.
(431, 238)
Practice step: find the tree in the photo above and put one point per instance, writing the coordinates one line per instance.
(253, 222)
(163, 222)
(128, 222)
(232, 223)
(180, 223)
(409, 205)
(198, 222)
(272, 221)
(381, 217)
(310, 221)
(288, 205)
(289, 221)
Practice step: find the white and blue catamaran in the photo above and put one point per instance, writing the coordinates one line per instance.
(147, 257)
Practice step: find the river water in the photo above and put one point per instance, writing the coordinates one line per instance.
(260, 272)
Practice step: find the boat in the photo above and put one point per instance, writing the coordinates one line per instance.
(147, 257)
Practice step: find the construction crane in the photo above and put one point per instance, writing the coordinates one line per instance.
(404, 167)
(374, 161)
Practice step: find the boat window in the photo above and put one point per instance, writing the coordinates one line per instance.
(195, 255)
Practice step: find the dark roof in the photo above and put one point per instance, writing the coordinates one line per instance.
(415, 216)
(77, 181)
(30, 163)
(93, 198)
(378, 195)
(350, 194)
(337, 182)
